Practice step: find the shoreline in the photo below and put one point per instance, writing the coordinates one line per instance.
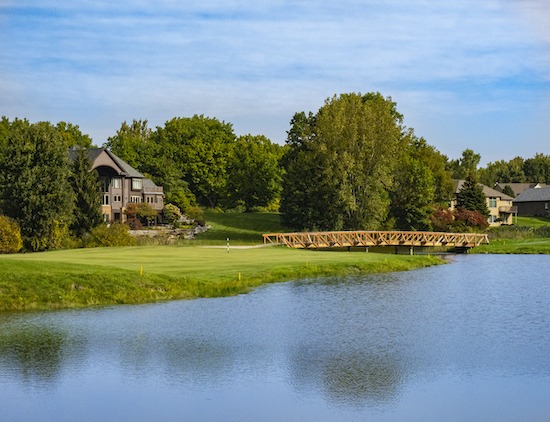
(83, 278)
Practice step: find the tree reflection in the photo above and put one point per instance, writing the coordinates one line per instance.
(34, 355)
(354, 378)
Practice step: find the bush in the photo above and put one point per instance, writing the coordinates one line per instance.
(197, 214)
(459, 220)
(10, 236)
(171, 214)
(117, 234)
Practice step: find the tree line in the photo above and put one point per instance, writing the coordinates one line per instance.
(351, 165)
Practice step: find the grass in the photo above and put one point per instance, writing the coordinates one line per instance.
(106, 276)
(533, 221)
(515, 246)
(240, 228)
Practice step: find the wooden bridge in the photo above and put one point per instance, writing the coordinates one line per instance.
(343, 239)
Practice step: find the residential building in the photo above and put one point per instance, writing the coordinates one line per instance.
(121, 184)
(501, 209)
(519, 188)
(534, 202)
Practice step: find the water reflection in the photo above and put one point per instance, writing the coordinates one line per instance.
(33, 355)
(357, 344)
(350, 378)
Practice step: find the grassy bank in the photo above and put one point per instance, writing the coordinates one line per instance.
(106, 276)
(515, 246)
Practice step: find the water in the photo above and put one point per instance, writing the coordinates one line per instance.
(467, 341)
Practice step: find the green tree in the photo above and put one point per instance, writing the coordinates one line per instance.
(254, 175)
(72, 136)
(350, 157)
(537, 169)
(34, 183)
(503, 172)
(464, 166)
(307, 202)
(471, 197)
(132, 142)
(87, 196)
(508, 191)
(412, 196)
(199, 148)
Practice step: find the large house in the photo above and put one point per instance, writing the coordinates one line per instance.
(121, 184)
(501, 210)
(534, 202)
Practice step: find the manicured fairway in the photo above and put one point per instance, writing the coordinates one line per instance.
(104, 276)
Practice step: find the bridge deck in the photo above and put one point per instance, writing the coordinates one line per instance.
(375, 238)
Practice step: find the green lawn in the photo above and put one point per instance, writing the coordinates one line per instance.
(105, 276)
(516, 246)
(533, 221)
(240, 228)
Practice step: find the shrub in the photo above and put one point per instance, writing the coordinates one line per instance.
(459, 220)
(117, 234)
(171, 214)
(10, 236)
(197, 214)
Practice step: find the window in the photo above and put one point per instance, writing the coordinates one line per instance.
(105, 200)
(135, 199)
(136, 184)
(492, 202)
(117, 198)
(546, 205)
(104, 183)
(117, 182)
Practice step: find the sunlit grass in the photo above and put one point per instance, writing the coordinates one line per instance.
(105, 276)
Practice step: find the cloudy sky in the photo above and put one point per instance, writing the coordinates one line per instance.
(464, 73)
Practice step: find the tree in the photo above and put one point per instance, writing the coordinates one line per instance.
(10, 236)
(464, 166)
(171, 214)
(354, 148)
(198, 147)
(503, 171)
(253, 173)
(133, 144)
(34, 184)
(72, 136)
(508, 191)
(537, 169)
(471, 197)
(87, 196)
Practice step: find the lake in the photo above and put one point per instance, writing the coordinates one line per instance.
(467, 341)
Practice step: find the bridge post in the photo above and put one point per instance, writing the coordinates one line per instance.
(411, 250)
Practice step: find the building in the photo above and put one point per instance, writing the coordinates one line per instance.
(121, 184)
(534, 202)
(519, 188)
(501, 209)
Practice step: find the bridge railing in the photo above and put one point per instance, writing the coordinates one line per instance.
(336, 239)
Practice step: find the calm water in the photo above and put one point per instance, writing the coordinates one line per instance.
(469, 341)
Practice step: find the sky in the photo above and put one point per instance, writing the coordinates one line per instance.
(464, 73)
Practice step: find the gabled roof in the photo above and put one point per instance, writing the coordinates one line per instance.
(534, 195)
(519, 188)
(487, 191)
(94, 153)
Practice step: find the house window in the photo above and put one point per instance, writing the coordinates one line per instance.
(105, 200)
(104, 184)
(135, 199)
(136, 184)
(117, 198)
(546, 205)
(492, 202)
(117, 182)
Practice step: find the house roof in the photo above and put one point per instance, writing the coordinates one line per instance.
(94, 153)
(534, 195)
(487, 191)
(519, 188)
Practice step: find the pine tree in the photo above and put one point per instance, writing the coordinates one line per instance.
(87, 197)
(471, 197)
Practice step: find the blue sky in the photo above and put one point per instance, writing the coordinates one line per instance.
(464, 73)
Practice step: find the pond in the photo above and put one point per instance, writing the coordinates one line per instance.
(466, 341)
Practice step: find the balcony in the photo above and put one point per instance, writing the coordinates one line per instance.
(508, 210)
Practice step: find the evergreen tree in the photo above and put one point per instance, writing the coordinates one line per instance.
(508, 191)
(87, 195)
(471, 197)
